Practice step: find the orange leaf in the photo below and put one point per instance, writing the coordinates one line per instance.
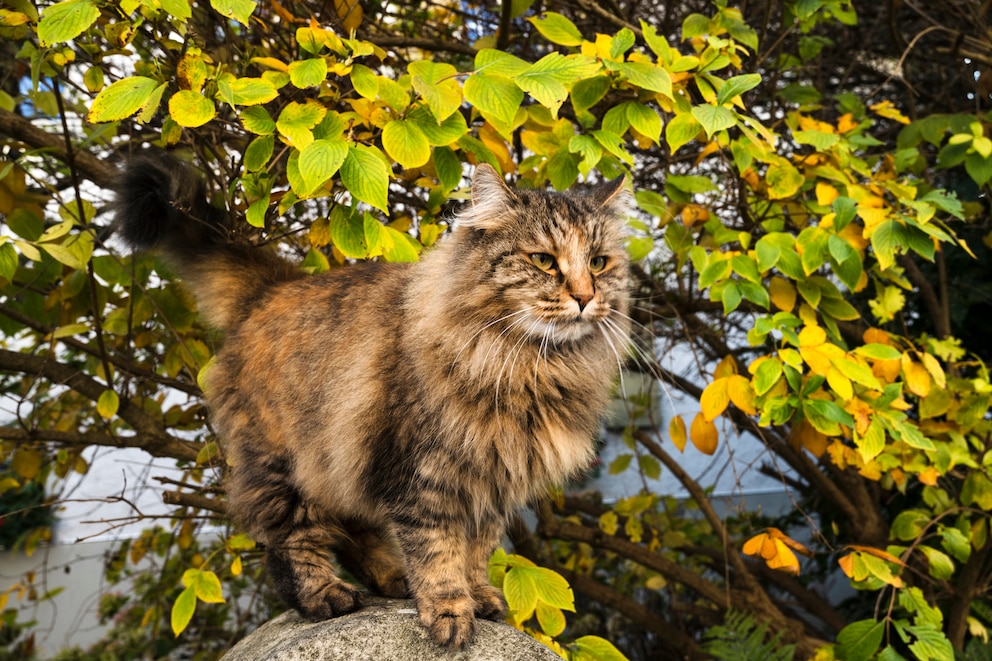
(676, 430)
(703, 434)
(876, 336)
(714, 399)
(806, 436)
(774, 551)
(791, 543)
(693, 215)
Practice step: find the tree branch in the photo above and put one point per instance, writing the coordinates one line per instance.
(154, 439)
(22, 130)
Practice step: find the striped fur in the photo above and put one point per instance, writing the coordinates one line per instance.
(396, 415)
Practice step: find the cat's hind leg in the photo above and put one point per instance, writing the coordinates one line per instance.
(297, 535)
(374, 557)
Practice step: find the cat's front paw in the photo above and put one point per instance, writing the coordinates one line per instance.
(331, 600)
(489, 603)
(451, 622)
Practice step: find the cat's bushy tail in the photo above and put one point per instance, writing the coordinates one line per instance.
(162, 205)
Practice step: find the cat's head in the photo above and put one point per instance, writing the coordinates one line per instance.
(553, 264)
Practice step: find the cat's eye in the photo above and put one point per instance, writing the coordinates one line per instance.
(597, 264)
(543, 261)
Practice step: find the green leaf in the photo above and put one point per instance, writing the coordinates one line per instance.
(888, 238)
(182, 610)
(406, 143)
(435, 83)
(66, 20)
(448, 168)
(600, 649)
(107, 404)
(365, 82)
(783, 180)
(308, 73)
(178, 8)
(258, 121)
(495, 95)
(909, 524)
(239, 10)
(191, 109)
(551, 619)
(977, 490)
(121, 99)
(552, 588)
(494, 62)
(259, 152)
(207, 587)
(248, 91)
(366, 176)
(8, 262)
(941, 565)
(680, 130)
(859, 641)
(557, 29)
(736, 86)
(714, 118)
(520, 593)
(589, 91)
(297, 120)
(398, 246)
(647, 76)
(878, 352)
(766, 376)
(348, 233)
(549, 79)
(645, 120)
(320, 160)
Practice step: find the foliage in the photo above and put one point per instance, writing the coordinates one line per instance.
(797, 212)
(743, 638)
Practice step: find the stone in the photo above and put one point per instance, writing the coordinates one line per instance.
(383, 630)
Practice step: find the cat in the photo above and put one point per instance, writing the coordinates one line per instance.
(397, 414)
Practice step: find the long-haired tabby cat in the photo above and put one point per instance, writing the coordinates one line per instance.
(397, 415)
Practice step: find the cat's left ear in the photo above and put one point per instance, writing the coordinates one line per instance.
(490, 199)
(613, 196)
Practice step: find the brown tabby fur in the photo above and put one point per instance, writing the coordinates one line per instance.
(398, 414)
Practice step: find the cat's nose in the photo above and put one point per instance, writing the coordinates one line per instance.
(582, 298)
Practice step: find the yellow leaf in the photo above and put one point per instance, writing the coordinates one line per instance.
(916, 376)
(811, 336)
(350, 13)
(935, 370)
(26, 463)
(725, 367)
(741, 393)
(888, 110)
(825, 194)
(783, 294)
(694, 214)
(714, 399)
(703, 434)
(840, 384)
(236, 567)
(676, 430)
(818, 361)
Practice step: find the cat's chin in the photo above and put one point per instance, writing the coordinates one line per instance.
(562, 331)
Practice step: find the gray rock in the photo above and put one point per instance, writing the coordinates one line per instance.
(384, 630)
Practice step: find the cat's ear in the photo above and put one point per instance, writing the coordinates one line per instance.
(613, 196)
(490, 198)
